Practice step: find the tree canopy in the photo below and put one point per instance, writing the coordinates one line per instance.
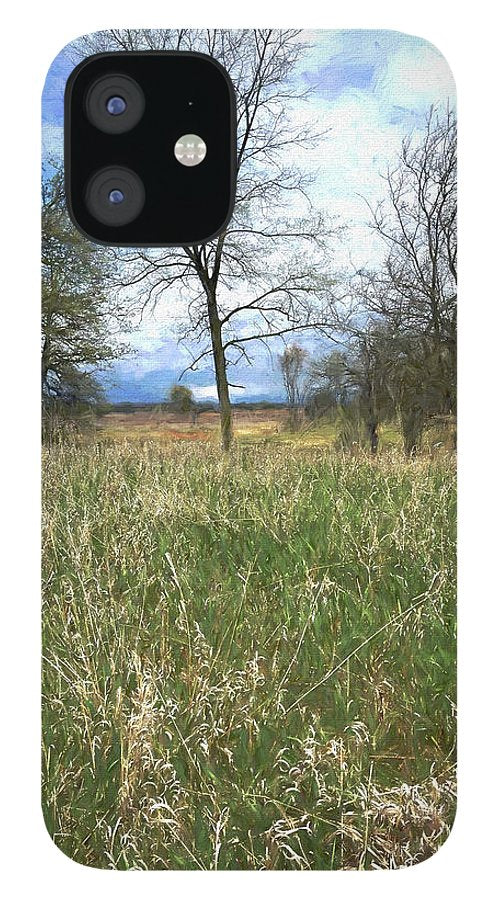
(79, 310)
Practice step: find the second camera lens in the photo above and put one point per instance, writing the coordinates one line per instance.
(115, 196)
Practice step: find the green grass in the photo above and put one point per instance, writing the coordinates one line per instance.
(190, 602)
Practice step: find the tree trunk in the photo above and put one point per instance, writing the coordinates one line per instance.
(373, 437)
(293, 418)
(220, 373)
(372, 419)
(412, 429)
(45, 361)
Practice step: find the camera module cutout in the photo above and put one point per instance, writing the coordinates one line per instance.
(150, 148)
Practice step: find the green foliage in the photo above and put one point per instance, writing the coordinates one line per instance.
(78, 309)
(191, 601)
(181, 398)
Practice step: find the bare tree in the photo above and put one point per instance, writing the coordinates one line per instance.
(292, 364)
(415, 292)
(364, 380)
(328, 384)
(263, 277)
(412, 372)
(396, 374)
(401, 323)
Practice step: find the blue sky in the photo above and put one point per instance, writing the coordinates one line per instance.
(369, 88)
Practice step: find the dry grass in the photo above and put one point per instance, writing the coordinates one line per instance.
(157, 424)
(231, 679)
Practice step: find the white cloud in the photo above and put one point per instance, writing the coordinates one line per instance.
(208, 392)
(417, 76)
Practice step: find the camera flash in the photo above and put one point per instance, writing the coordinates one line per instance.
(190, 150)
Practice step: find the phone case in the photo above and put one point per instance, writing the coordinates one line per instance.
(249, 480)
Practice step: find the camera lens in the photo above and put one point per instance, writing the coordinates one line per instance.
(115, 196)
(116, 106)
(114, 103)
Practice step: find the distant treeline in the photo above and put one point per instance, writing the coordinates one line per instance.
(128, 406)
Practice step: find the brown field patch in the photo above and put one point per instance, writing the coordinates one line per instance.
(165, 425)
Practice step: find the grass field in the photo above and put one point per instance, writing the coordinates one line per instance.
(248, 662)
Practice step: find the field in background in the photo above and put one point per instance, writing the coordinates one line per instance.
(155, 423)
(255, 425)
(248, 662)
